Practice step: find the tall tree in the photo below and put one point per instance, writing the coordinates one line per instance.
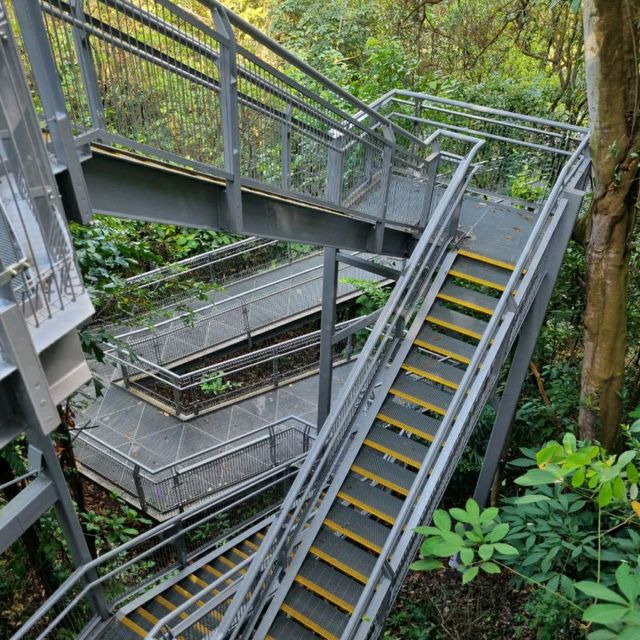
(611, 60)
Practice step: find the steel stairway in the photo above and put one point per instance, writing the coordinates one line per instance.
(331, 578)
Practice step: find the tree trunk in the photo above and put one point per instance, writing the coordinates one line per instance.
(612, 106)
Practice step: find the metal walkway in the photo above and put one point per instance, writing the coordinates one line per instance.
(155, 113)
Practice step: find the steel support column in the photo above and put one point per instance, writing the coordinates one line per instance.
(327, 329)
(228, 70)
(527, 340)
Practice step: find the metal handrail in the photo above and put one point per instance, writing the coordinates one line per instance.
(308, 428)
(167, 532)
(461, 396)
(272, 548)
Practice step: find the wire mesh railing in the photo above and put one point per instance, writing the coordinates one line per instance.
(36, 255)
(191, 283)
(276, 303)
(274, 556)
(129, 570)
(210, 387)
(167, 489)
(204, 90)
(522, 155)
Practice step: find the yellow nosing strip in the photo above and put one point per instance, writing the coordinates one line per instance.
(353, 536)
(406, 427)
(477, 256)
(453, 327)
(465, 303)
(149, 617)
(199, 581)
(419, 401)
(392, 453)
(172, 607)
(186, 595)
(481, 281)
(307, 622)
(430, 376)
(441, 351)
(345, 568)
(364, 506)
(240, 553)
(323, 593)
(136, 628)
(216, 573)
(253, 545)
(365, 473)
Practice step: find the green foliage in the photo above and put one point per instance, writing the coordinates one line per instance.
(476, 538)
(544, 616)
(214, 384)
(113, 529)
(618, 615)
(373, 296)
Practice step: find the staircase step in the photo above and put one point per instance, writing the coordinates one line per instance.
(393, 476)
(329, 584)
(408, 419)
(468, 298)
(481, 273)
(357, 526)
(339, 552)
(136, 623)
(428, 367)
(285, 628)
(429, 338)
(314, 613)
(373, 500)
(486, 259)
(399, 447)
(456, 321)
(422, 392)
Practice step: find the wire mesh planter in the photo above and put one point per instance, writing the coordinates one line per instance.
(212, 387)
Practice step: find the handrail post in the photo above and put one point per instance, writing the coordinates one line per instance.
(45, 72)
(87, 67)
(228, 69)
(285, 148)
(431, 177)
(137, 481)
(387, 174)
(335, 168)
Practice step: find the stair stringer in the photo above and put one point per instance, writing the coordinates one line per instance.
(362, 424)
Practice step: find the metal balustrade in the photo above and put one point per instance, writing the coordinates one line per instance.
(262, 369)
(205, 91)
(168, 489)
(129, 570)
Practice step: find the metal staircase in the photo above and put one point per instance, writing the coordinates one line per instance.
(282, 152)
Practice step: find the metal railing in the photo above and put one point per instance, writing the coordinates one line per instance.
(191, 283)
(464, 410)
(274, 554)
(522, 155)
(131, 569)
(207, 388)
(36, 255)
(167, 489)
(209, 92)
(237, 318)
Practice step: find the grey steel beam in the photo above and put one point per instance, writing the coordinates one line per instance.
(145, 191)
(327, 329)
(368, 265)
(527, 340)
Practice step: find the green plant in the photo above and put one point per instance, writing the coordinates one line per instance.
(214, 384)
(373, 296)
(477, 539)
(618, 616)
